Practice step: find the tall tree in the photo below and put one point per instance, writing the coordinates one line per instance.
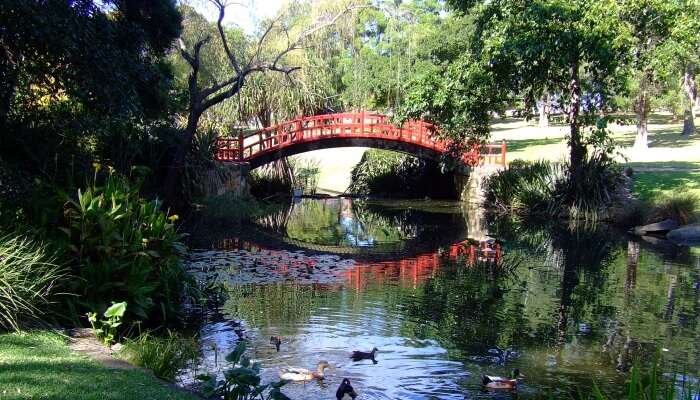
(70, 69)
(528, 48)
(241, 63)
(651, 23)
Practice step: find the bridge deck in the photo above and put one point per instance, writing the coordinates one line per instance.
(359, 125)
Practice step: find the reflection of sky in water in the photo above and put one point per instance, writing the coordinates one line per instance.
(354, 232)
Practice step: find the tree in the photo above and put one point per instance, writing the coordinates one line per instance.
(73, 71)
(651, 23)
(527, 49)
(240, 65)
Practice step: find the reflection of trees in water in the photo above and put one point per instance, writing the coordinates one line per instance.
(466, 309)
(351, 222)
(281, 303)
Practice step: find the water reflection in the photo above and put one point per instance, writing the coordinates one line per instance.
(565, 307)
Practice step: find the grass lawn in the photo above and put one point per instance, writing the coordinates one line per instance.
(39, 365)
(649, 185)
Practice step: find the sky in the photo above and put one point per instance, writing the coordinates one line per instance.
(243, 13)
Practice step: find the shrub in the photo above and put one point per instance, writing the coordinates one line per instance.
(546, 188)
(164, 355)
(124, 248)
(28, 279)
(681, 207)
(525, 188)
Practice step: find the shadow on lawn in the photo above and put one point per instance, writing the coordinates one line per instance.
(668, 137)
(519, 145)
(649, 185)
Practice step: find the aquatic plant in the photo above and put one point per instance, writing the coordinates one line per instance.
(241, 381)
(165, 355)
(28, 280)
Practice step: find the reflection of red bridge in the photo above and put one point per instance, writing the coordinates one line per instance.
(408, 271)
(414, 270)
(364, 129)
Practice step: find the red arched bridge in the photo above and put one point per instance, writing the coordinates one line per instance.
(355, 129)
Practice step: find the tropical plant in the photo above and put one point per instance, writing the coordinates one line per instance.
(165, 355)
(28, 280)
(106, 329)
(524, 187)
(124, 247)
(242, 380)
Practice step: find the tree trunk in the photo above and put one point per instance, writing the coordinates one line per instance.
(172, 178)
(543, 107)
(691, 91)
(576, 147)
(689, 121)
(641, 108)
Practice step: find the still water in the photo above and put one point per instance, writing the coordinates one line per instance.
(446, 298)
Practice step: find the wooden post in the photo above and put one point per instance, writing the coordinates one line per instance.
(503, 152)
(299, 134)
(241, 140)
(362, 122)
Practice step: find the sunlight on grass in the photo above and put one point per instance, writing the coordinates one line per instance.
(40, 365)
(653, 184)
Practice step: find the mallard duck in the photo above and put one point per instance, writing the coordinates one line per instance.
(498, 382)
(295, 374)
(345, 391)
(364, 355)
(277, 341)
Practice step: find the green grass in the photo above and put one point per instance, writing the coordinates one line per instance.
(39, 365)
(652, 185)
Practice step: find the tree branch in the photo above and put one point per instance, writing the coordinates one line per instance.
(221, 5)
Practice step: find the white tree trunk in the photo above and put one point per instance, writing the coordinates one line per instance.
(641, 142)
(693, 101)
(544, 109)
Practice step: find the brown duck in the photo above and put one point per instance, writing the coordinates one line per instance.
(501, 383)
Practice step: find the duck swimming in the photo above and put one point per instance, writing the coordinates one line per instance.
(345, 391)
(499, 382)
(296, 374)
(277, 341)
(364, 355)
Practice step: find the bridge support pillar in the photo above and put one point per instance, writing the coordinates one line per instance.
(472, 194)
(223, 178)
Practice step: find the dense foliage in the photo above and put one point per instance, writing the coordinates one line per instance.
(124, 248)
(382, 172)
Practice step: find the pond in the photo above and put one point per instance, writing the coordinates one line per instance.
(446, 298)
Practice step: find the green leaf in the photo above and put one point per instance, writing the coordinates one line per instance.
(116, 310)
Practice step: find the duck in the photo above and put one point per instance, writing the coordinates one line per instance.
(295, 374)
(364, 355)
(345, 391)
(499, 382)
(277, 341)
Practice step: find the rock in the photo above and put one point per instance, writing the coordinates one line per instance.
(657, 228)
(685, 234)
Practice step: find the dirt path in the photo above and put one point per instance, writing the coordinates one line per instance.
(83, 341)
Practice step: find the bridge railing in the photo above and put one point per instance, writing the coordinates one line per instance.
(345, 125)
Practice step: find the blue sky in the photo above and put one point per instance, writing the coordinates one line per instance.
(244, 13)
